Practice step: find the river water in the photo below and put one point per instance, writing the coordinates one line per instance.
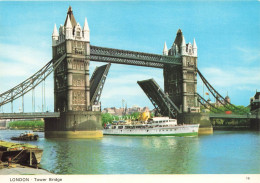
(224, 152)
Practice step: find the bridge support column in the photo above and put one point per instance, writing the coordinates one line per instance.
(255, 123)
(80, 124)
(195, 118)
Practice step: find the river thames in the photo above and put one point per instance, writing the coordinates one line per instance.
(224, 152)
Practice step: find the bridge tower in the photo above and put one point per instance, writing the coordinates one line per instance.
(180, 82)
(71, 83)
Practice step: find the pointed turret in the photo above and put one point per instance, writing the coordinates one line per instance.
(71, 17)
(194, 47)
(55, 31)
(68, 28)
(183, 43)
(55, 35)
(165, 49)
(86, 30)
(68, 23)
(183, 46)
(85, 27)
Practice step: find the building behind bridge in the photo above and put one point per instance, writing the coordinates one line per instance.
(220, 102)
(124, 111)
(255, 102)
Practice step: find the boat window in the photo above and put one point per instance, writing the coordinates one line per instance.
(120, 127)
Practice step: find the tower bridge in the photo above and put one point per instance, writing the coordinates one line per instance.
(76, 97)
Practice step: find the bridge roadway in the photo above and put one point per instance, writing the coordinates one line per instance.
(233, 116)
(31, 115)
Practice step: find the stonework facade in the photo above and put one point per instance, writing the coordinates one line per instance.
(71, 84)
(71, 89)
(180, 82)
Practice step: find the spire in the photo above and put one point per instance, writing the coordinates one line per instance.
(178, 38)
(55, 36)
(86, 30)
(194, 48)
(68, 28)
(183, 46)
(71, 17)
(55, 31)
(85, 27)
(194, 45)
(68, 22)
(165, 49)
(183, 42)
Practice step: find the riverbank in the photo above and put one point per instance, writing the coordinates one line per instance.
(17, 169)
(27, 125)
(231, 128)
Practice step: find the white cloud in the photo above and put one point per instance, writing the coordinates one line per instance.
(16, 60)
(127, 84)
(237, 78)
(17, 63)
(7, 70)
(249, 54)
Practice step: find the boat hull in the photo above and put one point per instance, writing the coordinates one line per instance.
(182, 130)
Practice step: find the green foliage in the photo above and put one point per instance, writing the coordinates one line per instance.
(26, 124)
(152, 115)
(240, 110)
(135, 115)
(233, 108)
(108, 118)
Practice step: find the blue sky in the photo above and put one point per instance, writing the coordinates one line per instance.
(226, 33)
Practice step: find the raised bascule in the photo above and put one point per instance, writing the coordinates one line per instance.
(77, 109)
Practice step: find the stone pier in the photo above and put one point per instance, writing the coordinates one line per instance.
(197, 118)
